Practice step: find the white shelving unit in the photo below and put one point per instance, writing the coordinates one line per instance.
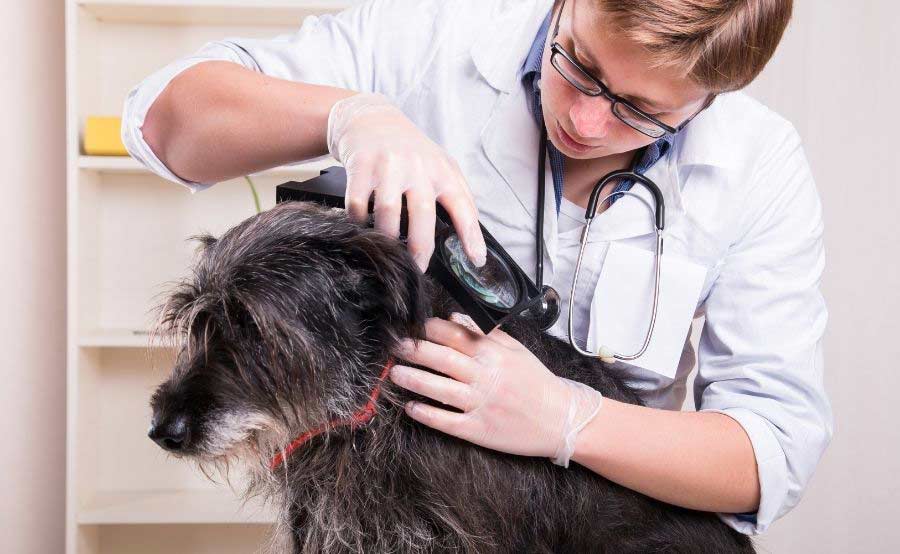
(127, 243)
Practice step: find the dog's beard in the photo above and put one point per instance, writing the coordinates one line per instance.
(246, 439)
(229, 433)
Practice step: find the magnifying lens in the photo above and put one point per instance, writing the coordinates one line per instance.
(489, 294)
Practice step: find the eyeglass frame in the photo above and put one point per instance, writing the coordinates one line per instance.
(557, 49)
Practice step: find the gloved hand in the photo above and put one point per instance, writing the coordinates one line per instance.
(384, 152)
(510, 401)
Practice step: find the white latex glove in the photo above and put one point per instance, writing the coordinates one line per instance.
(384, 152)
(510, 401)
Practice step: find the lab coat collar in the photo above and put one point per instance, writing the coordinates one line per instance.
(708, 139)
(511, 142)
(500, 51)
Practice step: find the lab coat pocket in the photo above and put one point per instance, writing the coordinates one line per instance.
(623, 302)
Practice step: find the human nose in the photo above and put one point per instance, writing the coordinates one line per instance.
(592, 116)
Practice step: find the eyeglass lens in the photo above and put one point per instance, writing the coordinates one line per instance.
(582, 81)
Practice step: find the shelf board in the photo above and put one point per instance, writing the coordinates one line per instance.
(168, 507)
(128, 165)
(210, 12)
(115, 338)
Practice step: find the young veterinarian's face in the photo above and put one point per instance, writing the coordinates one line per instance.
(625, 68)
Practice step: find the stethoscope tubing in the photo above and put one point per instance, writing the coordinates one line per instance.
(603, 353)
(594, 200)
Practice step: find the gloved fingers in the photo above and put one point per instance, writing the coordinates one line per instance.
(445, 390)
(420, 232)
(390, 183)
(452, 423)
(503, 338)
(360, 183)
(466, 321)
(460, 179)
(453, 335)
(383, 150)
(440, 358)
(456, 198)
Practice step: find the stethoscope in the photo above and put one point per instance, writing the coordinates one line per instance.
(551, 297)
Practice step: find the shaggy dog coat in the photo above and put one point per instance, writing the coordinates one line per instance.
(287, 323)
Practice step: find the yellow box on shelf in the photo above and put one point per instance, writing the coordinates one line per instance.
(102, 136)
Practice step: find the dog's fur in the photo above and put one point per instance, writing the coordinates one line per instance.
(286, 324)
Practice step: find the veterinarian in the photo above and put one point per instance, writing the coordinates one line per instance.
(446, 101)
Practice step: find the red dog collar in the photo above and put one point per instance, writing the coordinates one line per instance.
(358, 419)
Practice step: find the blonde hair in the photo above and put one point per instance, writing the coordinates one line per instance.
(721, 45)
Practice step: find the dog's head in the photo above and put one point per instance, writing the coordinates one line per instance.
(283, 325)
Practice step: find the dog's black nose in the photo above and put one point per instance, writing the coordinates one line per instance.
(172, 434)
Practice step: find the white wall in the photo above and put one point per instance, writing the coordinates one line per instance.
(32, 277)
(836, 77)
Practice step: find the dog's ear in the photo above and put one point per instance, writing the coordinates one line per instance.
(205, 241)
(394, 292)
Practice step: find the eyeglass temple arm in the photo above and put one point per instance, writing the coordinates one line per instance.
(558, 17)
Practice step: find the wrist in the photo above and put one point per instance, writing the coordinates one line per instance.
(592, 444)
(581, 408)
(344, 111)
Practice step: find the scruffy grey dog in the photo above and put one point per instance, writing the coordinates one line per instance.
(287, 323)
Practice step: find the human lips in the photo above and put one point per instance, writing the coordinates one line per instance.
(570, 142)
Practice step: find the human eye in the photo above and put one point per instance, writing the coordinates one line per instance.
(652, 112)
(581, 61)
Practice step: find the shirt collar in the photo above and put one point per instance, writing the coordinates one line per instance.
(709, 140)
(535, 54)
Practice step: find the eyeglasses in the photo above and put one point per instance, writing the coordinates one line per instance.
(625, 111)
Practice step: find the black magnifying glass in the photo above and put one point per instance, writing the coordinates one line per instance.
(490, 294)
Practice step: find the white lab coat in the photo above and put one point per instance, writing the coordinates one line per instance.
(739, 194)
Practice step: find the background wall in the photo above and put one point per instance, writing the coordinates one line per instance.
(32, 277)
(836, 76)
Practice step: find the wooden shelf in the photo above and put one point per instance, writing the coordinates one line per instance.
(124, 165)
(177, 506)
(127, 243)
(115, 338)
(210, 12)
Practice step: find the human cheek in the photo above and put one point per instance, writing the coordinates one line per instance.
(552, 100)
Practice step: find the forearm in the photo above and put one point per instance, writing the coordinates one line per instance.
(218, 120)
(698, 460)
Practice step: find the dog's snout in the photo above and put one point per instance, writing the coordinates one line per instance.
(173, 434)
